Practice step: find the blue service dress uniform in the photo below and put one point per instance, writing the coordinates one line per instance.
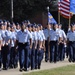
(23, 48)
(43, 41)
(38, 51)
(71, 45)
(13, 53)
(17, 54)
(5, 49)
(34, 41)
(61, 50)
(53, 35)
(46, 34)
(0, 52)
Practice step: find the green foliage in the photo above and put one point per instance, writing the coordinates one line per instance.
(23, 9)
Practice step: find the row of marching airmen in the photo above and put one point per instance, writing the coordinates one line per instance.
(58, 43)
(28, 42)
(23, 42)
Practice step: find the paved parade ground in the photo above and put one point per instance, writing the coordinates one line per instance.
(44, 66)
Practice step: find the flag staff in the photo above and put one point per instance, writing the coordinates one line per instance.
(58, 17)
(58, 12)
(47, 11)
(69, 20)
(11, 10)
(48, 32)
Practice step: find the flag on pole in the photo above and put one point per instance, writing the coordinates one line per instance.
(59, 2)
(72, 6)
(51, 19)
(64, 8)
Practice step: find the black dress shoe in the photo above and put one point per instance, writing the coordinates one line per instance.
(32, 68)
(38, 67)
(15, 66)
(54, 61)
(46, 60)
(50, 61)
(35, 67)
(5, 68)
(20, 70)
(24, 69)
(27, 69)
(69, 60)
(11, 67)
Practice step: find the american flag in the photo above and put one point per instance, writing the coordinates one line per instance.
(64, 8)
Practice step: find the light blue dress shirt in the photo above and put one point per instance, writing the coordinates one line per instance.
(7, 36)
(54, 35)
(46, 33)
(71, 36)
(0, 37)
(34, 37)
(39, 37)
(23, 37)
(13, 38)
(62, 34)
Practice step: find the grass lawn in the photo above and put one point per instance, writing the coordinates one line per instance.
(67, 70)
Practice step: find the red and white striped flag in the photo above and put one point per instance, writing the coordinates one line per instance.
(64, 8)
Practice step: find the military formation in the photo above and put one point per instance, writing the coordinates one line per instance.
(27, 44)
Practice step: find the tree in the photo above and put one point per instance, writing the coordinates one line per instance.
(23, 9)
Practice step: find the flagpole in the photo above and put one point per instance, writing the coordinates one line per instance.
(58, 17)
(48, 33)
(47, 11)
(58, 12)
(69, 20)
(11, 10)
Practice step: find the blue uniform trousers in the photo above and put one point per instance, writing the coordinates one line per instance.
(67, 51)
(71, 51)
(29, 59)
(33, 56)
(61, 51)
(38, 57)
(46, 52)
(16, 59)
(13, 57)
(0, 59)
(23, 55)
(5, 56)
(53, 51)
(65, 48)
